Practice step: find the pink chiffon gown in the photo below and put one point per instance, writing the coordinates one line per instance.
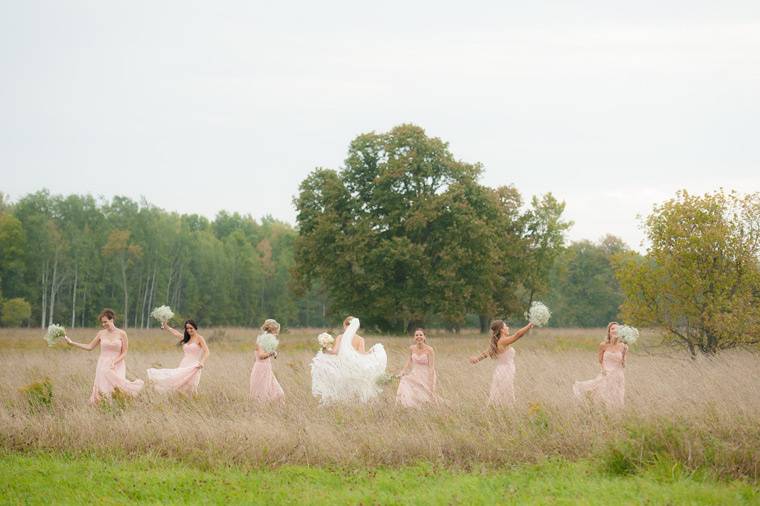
(417, 388)
(264, 386)
(503, 380)
(609, 387)
(185, 378)
(106, 379)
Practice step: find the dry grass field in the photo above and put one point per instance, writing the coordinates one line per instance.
(703, 414)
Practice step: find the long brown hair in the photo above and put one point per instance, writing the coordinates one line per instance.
(496, 327)
(609, 330)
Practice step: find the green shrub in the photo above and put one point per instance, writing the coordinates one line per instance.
(15, 312)
(39, 394)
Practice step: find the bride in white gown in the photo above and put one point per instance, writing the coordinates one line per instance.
(347, 373)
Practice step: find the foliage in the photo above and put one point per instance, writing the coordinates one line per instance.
(15, 312)
(700, 278)
(70, 256)
(39, 395)
(404, 232)
(584, 290)
(12, 247)
(545, 238)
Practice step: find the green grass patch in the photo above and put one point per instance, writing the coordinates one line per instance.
(58, 479)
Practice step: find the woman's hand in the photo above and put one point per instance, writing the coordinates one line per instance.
(199, 365)
(113, 364)
(68, 341)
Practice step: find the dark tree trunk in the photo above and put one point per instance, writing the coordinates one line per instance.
(484, 323)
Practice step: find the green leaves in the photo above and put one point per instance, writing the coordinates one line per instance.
(584, 290)
(700, 279)
(405, 233)
(233, 270)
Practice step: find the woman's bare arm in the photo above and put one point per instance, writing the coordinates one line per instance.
(263, 355)
(206, 351)
(335, 346)
(174, 332)
(88, 347)
(507, 340)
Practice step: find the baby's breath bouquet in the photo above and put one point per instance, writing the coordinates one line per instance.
(162, 313)
(538, 314)
(268, 342)
(628, 334)
(325, 340)
(54, 334)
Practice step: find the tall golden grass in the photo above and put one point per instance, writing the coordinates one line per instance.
(702, 413)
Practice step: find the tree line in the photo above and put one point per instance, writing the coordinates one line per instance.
(403, 234)
(63, 258)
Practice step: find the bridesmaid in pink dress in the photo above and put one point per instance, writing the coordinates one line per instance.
(264, 386)
(503, 382)
(185, 378)
(111, 371)
(608, 387)
(418, 377)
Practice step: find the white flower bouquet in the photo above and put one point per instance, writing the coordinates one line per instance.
(162, 313)
(538, 314)
(268, 342)
(627, 334)
(325, 340)
(54, 334)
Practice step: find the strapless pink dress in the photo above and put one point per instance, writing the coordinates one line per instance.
(264, 386)
(107, 379)
(185, 378)
(503, 381)
(418, 386)
(609, 387)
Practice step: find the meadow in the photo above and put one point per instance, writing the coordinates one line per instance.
(697, 418)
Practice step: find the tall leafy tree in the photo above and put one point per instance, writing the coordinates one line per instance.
(125, 252)
(545, 238)
(404, 232)
(700, 278)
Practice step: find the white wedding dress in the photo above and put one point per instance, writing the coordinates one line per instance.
(349, 376)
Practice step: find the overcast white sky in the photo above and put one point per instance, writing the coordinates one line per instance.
(199, 106)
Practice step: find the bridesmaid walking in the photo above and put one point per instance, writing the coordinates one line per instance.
(185, 378)
(418, 377)
(264, 385)
(111, 371)
(503, 382)
(608, 387)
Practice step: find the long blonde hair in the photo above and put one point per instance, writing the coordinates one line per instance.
(609, 331)
(271, 326)
(496, 327)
